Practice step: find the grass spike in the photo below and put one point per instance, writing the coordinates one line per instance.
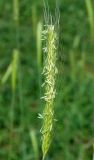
(49, 72)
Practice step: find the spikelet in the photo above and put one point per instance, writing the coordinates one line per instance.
(49, 72)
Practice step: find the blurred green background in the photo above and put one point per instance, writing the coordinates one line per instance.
(20, 90)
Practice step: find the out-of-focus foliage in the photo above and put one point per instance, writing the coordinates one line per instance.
(74, 109)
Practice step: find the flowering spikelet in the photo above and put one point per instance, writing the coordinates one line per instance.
(49, 72)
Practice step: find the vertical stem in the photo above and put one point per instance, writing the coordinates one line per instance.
(16, 22)
(39, 56)
(10, 156)
(90, 12)
(14, 75)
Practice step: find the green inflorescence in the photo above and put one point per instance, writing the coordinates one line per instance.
(49, 71)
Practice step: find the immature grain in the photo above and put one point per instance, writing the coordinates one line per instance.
(49, 72)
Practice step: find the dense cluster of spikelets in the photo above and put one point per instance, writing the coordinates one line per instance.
(49, 72)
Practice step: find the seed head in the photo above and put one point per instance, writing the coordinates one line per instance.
(49, 72)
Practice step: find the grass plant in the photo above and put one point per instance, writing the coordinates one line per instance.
(34, 141)
(14, 66)
(6, 75)
(90, 11)
(74, 101)
(39, 45)
(49, 72)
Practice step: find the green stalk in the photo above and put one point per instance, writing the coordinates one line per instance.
(33, 137)
(39, 46)
(14, 74)
(6, 74)
(16, 10)
(39, 56)
(14, 65)
(90, 12)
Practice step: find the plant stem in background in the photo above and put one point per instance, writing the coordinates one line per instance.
(34, 141)
(90, 12)
(34, 19)
(14, 65)
(49, 72)
(39, 54)
(16, 10)
(39, 46)
(16, 18)
(14, 69)
(6, 74)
